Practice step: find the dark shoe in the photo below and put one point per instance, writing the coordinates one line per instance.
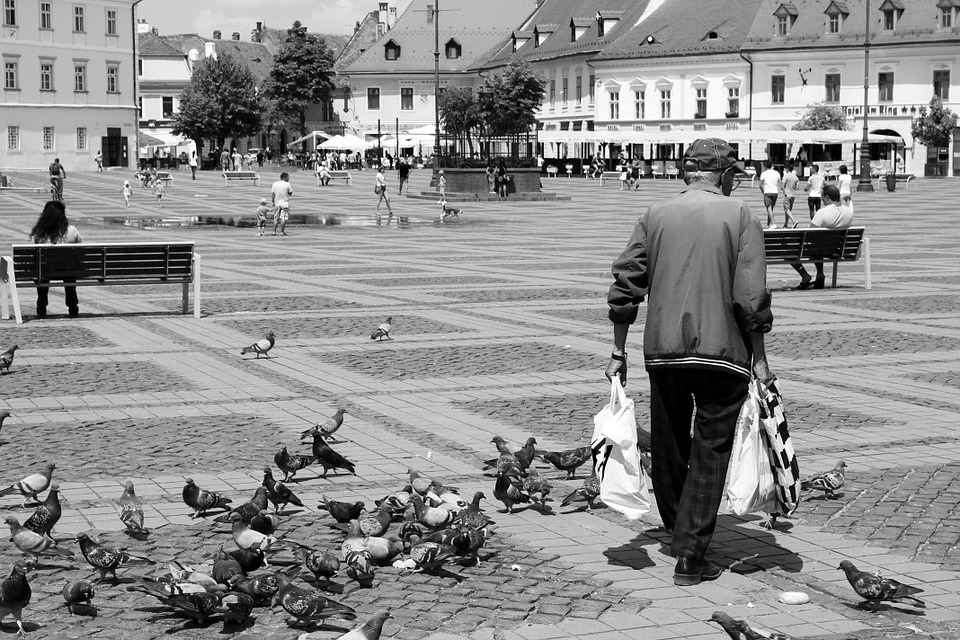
(818, 283)
(41, 312)
(805, 284)
(74, 312)
(690, 572)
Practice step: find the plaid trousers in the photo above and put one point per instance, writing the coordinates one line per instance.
(689, 470)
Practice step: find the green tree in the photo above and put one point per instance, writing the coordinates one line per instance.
(516, 95)
(302, 74)
(460, 114)
(934, 127)
(820, 117)
(221, 102)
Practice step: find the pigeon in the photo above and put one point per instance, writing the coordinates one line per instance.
(225, 567)
(447, 497)
(201, 500)
(740, 630)
(6, 359)
(326, 428)
(15, 595)
(342, 512)
(198, 605)
(3, 416)
(586, 492)
(829, 481)
(377, 523)
(469, 543)
(509, 491)
(260, 346)
(419, 483)
(328, 458)
(505, 462)
(526, 453)
(472, 517)
(247, 538)
(76, 592)
(874, 589)
(238, 607)
(290, 464)
(380, 549)
(369, 630)
(536, 485)
(429, 555)
(309, 606)
(567, 460)
(249, 509)
(46, 514)
(433, 517)
(278, 493)
(383, 331)
(360, 568)
(265, 522)
(130, 510)
(33, 484)
(397, 502)
(106, 559)
(321, 564)
(184, 574)
(261, 588)
(32, 543)
(249, 559)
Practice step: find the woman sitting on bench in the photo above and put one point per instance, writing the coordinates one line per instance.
(53, 228)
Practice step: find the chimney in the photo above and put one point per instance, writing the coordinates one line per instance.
(155, 31)
(143, 26)
(216, 34)
(255, 34)
(209, 49)
(235, 35)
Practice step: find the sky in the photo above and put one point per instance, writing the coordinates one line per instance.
(322, 16)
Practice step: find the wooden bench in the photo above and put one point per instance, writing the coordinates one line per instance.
(905, 178)
(609, 175)
(241, 175)
(334, 175)
(96, 265)
(814, 243)
(164, 177)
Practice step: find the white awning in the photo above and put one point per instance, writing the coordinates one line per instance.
(313, 135)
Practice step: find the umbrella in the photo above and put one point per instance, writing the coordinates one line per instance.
(344, 142)
(146, 140)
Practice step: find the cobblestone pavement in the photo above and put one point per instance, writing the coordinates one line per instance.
(499, 328)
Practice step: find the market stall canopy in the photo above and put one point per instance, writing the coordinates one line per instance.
(687, 136)
(313, 135)
(147, 140)
(344, 142)
(427, 130)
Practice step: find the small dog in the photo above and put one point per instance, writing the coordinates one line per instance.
(450, 213)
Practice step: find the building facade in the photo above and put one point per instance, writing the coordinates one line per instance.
(69, 83)
(163, 72)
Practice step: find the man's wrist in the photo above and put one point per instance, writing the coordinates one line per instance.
(618, 354)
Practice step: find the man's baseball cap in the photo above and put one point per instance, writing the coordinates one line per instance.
(710, 154)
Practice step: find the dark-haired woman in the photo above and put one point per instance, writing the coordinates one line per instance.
(53, 228)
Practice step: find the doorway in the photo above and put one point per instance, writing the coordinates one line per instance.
(114, 146)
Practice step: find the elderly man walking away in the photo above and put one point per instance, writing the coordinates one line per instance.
(698, 260)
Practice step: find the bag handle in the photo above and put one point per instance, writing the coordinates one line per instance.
(618, 397)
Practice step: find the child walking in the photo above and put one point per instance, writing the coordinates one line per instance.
(442, 187)
(262, 212)
(158, 191)
(126, 192)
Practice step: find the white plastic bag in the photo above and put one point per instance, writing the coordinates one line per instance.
(616, 458)
(751, 486)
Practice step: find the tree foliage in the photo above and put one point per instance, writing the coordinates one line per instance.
(302, 74)
(221, 102)
(820, 117)
(934, 127)
(516, 96)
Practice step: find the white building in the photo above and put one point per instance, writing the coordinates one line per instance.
(164, 72)
(69, 83)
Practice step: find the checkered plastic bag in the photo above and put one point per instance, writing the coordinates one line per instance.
(783, 459)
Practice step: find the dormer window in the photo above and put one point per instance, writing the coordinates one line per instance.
(947, 14)
(578, 27)
(891, 10)
(453, 49)
(391, 50)
(520, 38)
(541, 32)
(786, 15)
(837, 13)
(607, 20)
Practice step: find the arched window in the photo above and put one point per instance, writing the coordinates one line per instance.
(391, 50)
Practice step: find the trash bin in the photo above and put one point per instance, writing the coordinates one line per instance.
(891, 182)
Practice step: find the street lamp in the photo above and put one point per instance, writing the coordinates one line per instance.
(864, 183)
(436, 84)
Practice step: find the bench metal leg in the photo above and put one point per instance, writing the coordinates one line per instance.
(867, 284)
(833, 282)
(196, 286)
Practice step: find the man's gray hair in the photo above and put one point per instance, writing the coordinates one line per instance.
(710, 177)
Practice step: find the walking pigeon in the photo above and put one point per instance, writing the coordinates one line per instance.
(369, 630)
(6, 359)
(526, 453)
(328, 458)
(342, 512)
(874, 589)
(249, 509)
(538, 488)
(198, 605)
(377, 523)
(106, 559)
(472, 517)
(740, 630)
(265, 522)
(15, 595)
(249, 559)
(829, 481)
(247, 538)
(130, 510)
(260, 346)
(429, 555)
(225, 567)
(46, 514)
(433, 517)
(380, 549)
(383, 331)
(360, 568)
(261, 588)
(76, 592)
(238, 606)
(33, 484)
(290, 464)
(567, 460)
(32, 543)
(321, 564)
(309, 606)
(509, 491)
(327, 427)
(586, 492)
(278, 493)
(201, 500)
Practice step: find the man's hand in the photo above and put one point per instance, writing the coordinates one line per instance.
(762, 371)
(617, 367)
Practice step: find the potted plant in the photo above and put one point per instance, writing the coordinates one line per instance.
(933, 128)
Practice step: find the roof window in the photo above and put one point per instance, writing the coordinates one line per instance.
(786, 15)
(391, 50)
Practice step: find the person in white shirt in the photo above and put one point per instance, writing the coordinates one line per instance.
(791, 186)
(814, 189)
(281, 192)
(770, 187)
(832, 215)
(845, 181)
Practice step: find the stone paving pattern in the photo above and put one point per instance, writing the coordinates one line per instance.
(499, 328)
